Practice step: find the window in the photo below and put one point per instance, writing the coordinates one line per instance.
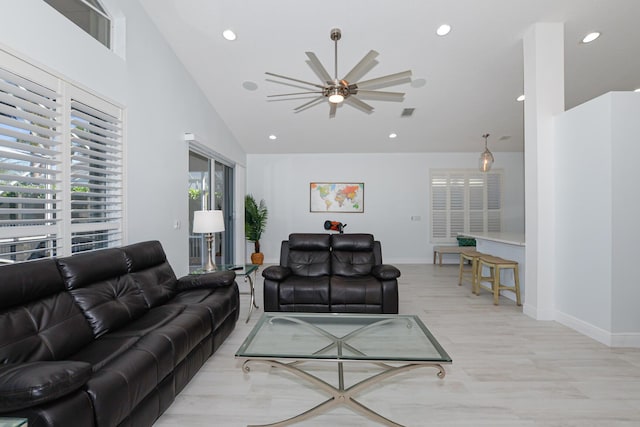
(464, 201)
(60, 167)
(88, 15)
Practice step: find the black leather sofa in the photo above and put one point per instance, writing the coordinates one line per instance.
(331, 273)
(106, 338)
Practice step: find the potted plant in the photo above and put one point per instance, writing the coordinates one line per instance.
(255, 221)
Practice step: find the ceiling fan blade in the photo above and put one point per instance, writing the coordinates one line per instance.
(388, 80)
(381, 96)
(295, 80)
(332, 110)
(290, 94)
(360, 105)
(362, 67)
(318, 68)
(312, 103)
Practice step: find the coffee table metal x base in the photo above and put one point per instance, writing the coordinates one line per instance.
(339, 395)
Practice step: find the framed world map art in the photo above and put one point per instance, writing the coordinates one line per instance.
(346, 197)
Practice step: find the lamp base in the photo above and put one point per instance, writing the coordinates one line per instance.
(210, 265)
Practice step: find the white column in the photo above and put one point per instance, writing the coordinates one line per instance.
(544, 98)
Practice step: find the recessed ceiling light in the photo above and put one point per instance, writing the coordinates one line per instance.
(249, 85)
(443, 30)
(520, 98)
(590, 37)
(229, 35)
(393, 135)
(273, 137)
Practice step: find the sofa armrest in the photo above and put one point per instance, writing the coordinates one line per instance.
(276, 272)
(23, 385)
(385, 272)
(215, 279)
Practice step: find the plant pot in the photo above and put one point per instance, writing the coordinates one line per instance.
(257, 258)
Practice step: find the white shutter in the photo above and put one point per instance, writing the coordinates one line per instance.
(30, 180)
(439, 205)
(464, 201)
(96, 177)
(60, 166)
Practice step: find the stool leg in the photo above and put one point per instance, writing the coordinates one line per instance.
(495, 285)
(460, 273)
(474, 276)
(516, 278)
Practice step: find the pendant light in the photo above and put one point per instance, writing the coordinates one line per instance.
(486, 158)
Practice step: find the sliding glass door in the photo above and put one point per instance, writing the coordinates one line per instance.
(205, 174)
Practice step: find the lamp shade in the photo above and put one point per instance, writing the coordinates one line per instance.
(208, 222)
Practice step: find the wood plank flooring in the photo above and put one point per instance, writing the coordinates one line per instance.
(508, 370)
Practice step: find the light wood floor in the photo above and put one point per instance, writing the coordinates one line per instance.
(508, 370)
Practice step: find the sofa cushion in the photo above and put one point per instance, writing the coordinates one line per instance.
(149, 268)
(296, 291)
(29, 281)
(31, 384)
(47, 329)
(356, 294)
(352, 242)
(99, 283)
(347, 263)
(309, 254)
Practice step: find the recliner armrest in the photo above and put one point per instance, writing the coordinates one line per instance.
(385, 272)
(215, 279)
(23, 385)
(276, 272)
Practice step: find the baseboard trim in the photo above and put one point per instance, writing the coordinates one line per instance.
(625, 339)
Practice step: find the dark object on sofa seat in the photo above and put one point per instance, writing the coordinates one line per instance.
(106, 338)
(331, 273)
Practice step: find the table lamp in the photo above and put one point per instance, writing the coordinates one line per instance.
(208, 222)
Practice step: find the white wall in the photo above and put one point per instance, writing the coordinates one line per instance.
(597, 215)
(161, 101)
(396, 188)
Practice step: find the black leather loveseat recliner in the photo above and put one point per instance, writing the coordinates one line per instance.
(331, 273)
(106, 338)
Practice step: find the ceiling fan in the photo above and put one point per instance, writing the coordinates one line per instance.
(347, 89)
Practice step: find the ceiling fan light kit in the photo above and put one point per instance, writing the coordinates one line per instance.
(346, 90)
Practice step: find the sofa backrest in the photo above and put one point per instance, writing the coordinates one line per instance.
(352, 254)
(147, 263)
(308, 254)
(40, 320)
(101, 286)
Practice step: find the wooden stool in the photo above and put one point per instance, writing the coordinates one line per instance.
(469, 254)
(495, 265)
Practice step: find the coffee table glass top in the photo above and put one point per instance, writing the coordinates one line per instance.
(338, 336)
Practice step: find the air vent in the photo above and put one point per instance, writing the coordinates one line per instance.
(407, 112)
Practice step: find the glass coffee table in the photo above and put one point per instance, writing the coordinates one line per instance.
(396, 343)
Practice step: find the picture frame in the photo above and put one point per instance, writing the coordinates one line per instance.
(342, 197)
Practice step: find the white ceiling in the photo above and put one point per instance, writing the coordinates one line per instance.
(473, 75)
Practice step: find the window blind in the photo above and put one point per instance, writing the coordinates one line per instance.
(30, 179)
(61, 166)
(464, 201)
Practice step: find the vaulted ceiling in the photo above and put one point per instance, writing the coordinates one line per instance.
(463, 85)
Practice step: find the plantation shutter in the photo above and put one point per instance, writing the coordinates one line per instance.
(61, 166)
(29, 168)
(96, 175)
(464, 201)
